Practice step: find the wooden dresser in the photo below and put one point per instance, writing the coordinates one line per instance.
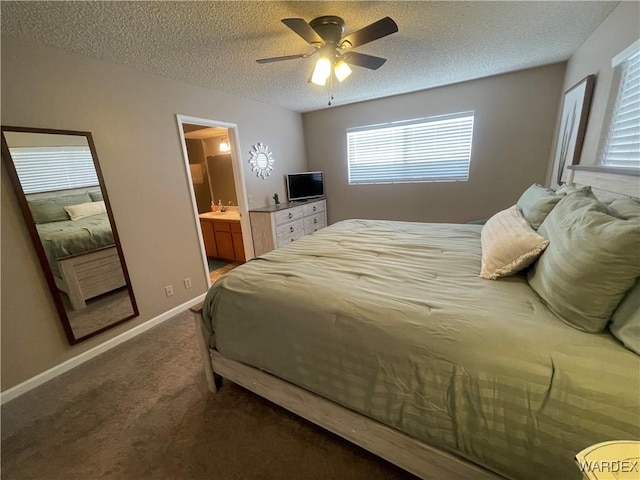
(276, 226)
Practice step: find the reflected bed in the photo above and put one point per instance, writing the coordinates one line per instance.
(81, 252)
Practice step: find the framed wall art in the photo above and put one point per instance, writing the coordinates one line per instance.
(573, 125)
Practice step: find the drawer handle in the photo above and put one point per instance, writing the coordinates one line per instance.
(315, 220)
(291, 215)
(292, 239)
(291, 229)
(314, 209)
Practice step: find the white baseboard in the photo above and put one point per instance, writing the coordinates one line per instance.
(67, 365)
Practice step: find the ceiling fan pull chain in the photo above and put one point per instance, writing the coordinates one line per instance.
(330, 88)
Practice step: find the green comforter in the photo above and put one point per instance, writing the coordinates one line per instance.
(73, 237)
(391, 319)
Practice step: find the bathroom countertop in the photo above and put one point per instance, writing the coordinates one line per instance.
(228, 216)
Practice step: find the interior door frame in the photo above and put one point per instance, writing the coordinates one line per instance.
(238, 179)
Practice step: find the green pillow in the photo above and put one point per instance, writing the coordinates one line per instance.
(625, 322)
(96, 196)
(592, 260)
(567, 189)
(626, 208)
(536, 203)
(51, 209)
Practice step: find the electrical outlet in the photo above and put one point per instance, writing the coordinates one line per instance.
(250, 198)
(168, 290)
(187, 282)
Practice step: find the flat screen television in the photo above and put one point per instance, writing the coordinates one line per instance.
(305, 185)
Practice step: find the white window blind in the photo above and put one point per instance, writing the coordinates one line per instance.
(422, 150)
(45, 169)
(622, 147)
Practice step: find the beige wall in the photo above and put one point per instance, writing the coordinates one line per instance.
(24, 139)
(513, 129)
(619, 30)
(132, 118)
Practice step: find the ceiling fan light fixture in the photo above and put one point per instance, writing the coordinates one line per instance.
(342, 70)
(321, 72)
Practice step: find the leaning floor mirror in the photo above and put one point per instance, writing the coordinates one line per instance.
(61, 192)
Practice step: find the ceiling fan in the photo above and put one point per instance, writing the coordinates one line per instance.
(334, 50)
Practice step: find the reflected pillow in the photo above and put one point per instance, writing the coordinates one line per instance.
(625, 322)
(83, 210)
(509, 244)
(51, 209)
(592, 260)
(536, 203)
(96, 196)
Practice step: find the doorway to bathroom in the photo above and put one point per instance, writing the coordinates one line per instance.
(218, 192)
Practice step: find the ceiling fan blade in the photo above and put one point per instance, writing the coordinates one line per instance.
(383, 27)
(364, 60)
(302, 28)
(279, 59)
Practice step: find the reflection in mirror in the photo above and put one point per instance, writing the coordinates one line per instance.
(57, 179)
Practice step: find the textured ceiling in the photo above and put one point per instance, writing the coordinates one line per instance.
(215, 44)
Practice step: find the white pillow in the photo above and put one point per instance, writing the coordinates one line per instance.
(82, 210)
(509, 244)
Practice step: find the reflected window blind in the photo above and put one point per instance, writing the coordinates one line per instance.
(423, 150)
(45, 169)
(622, 148)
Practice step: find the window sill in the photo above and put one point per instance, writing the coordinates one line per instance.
(603, 169)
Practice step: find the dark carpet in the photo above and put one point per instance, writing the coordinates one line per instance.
(142, 410)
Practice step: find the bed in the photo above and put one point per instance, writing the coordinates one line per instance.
(81, 251)
(384, 333)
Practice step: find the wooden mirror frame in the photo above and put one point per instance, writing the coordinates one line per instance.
(37, 243)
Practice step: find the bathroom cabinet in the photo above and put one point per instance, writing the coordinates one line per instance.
(222, 238)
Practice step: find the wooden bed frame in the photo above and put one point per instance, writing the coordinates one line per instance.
(394, 446)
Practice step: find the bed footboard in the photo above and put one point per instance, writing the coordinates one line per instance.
(394, 446)
(90, 274)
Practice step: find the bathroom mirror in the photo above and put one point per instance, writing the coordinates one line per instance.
(64, 202)
(261, 160)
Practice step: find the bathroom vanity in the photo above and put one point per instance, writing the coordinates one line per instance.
(222, 235)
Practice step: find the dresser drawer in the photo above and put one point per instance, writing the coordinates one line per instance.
(314, 223)
(289, 215)
(289, 229)
(286, 239)
(275, 227)
(313, 207)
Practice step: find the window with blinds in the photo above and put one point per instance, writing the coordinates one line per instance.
(46, 169)
(432, 149)
(622, 145)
